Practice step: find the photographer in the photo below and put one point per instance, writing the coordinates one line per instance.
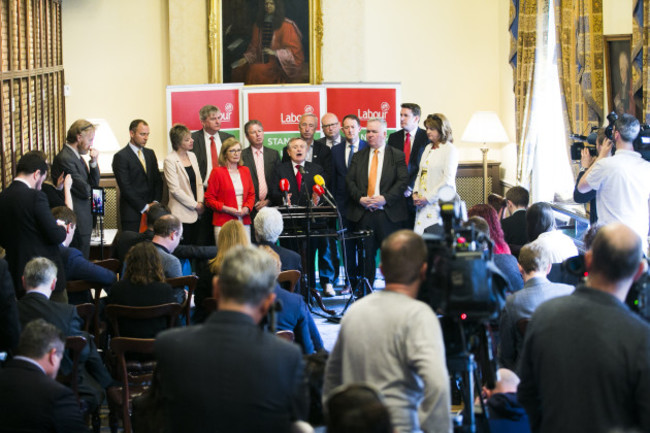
(622, 181)
(586, 161)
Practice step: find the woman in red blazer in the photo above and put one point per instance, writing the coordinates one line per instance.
(230, 190)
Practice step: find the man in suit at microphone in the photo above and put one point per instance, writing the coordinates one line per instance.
(300, 175)
(376, 181)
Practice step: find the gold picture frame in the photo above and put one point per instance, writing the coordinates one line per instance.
(216, 40)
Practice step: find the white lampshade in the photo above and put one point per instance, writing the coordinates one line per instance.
(106, 143)
(485, 127)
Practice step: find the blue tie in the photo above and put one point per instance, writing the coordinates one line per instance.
(350, 154)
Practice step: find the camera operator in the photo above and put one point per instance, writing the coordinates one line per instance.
(586, 161)
(621, 181)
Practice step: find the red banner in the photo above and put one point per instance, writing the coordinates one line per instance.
(185, 106)
(365, 103)
(280, 111)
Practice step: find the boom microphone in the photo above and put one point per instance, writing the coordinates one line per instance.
(318, 179)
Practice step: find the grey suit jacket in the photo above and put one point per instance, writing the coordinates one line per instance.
(200, 150)
(522, 305)
(82, 183)
(271, 159)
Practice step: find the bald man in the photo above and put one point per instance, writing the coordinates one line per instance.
(586, 359)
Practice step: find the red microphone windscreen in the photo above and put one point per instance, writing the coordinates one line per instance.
(318, 189)
(284, 185)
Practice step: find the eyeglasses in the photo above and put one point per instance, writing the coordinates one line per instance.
(330, 125)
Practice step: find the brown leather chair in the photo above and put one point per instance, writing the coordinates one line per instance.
(291, 278)
(190, 282)
(87, 313)
(134, 382)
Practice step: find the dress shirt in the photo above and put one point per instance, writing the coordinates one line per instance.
(208, 153)
(310, 153)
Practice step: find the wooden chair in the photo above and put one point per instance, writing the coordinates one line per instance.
(115, 312)
(75, 286)
(134, 383)
(291, 278)
(87, 313)
(189, 281)
(75, 345)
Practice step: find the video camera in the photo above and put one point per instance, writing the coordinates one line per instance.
(641, 142)
(462, 281)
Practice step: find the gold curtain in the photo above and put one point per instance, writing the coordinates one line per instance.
(639, 55)
(525, 12)
(579, 25)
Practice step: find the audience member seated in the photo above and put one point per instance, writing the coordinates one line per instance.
(506, 415)
(268, 227)
(357, 408)
(507, 263)
(540, 226)
(394, 342)
(559, 271)
(586, 360)
(126, 239)
(143, 285)
(227, 374)
(232, 233)
(490, 216)
(514, 226)
(30, 399)
(76, 266)
(59, 194)
(39, 280)
(167, 234)
(9, 324)
(294, 315)
(534, 264)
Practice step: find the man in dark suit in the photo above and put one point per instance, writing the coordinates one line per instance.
(341, 158)
(207, 145)
(411, 140)
(84, 177)
(242, 379)
(137, 175)
(9, 324)
(514, 227)
(317, 153)
(331, 128)
(39, 279)
(76, 266)
(30, 399)
(261, 162)
(28, 227)
(376, 182)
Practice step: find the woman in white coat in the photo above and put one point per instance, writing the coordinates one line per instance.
(184, 182)
(438, 167)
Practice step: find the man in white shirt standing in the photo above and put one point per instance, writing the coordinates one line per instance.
(621, 181)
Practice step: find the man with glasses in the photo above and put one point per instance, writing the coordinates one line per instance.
(331, 128)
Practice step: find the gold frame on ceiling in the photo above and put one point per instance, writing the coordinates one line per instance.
(315, 42)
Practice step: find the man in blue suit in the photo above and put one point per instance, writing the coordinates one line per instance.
(76, 266)
(341, 157)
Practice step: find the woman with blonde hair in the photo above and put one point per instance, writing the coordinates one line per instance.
(438, 167)
(230, 192)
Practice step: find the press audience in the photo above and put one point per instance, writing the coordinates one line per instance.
(540, 227)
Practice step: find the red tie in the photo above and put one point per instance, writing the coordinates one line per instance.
(407, 147)
(213, 151)
(298, 177)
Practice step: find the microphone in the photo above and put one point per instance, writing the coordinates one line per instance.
(318, 179)
(319, 190)
(284, 187)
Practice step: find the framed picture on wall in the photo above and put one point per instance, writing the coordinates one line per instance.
(618, 70)
(262, 42)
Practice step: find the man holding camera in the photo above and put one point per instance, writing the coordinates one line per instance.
(622, 181)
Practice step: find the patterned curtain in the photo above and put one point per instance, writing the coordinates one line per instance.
(523, 28)
(579, 25)
(640, 42)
